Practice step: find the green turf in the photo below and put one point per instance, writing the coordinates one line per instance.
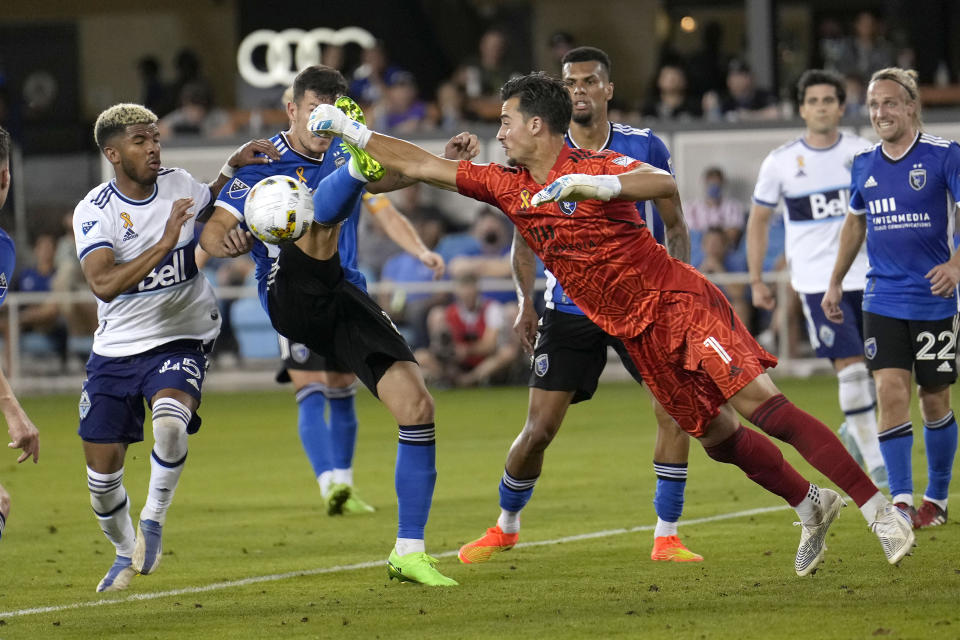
(248, 507)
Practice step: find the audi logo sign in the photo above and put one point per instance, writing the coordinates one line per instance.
(291, 50)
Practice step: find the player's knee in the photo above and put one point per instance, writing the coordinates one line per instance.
(418, 409)
(538, 433)
(170, 420)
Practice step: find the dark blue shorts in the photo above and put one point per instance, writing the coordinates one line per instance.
(831, 340)
(112, 399)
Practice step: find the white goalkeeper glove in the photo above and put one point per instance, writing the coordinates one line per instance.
(327, 120)
(575, 187)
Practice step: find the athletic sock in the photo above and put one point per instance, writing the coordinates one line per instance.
(314, 432)
(343, 432)
(170, 420)
(668, 499)
(409, 545)
(415, 477)
(108, 497)
(858, 402)
(763, 463)
(514, 495)
(817, 444)
(809, 507)
(870, 507)
(940, 438)
(896, 445)
(337, 195)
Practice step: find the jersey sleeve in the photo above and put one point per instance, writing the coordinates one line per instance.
(91, 229)
(951, 168)
(769, 187)
(857, 205)
(8, 260)
(613, 163)
(482, 181)
(199, 191)
(659, 156)
(233, 195)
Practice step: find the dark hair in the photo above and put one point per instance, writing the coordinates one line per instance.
(4, 147)
(322, 80)
(587, 54)
(811, 77)
(714, 172)
(542, 96)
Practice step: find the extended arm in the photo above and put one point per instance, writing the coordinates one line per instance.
(108, 279)
(851, 237)
(524, 266)
(399, 229)
(758, 227)
(678, 237)
(643, 183)
(23, 433)
(222, 236)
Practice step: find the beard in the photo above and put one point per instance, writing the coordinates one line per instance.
(512, 162)
(583, 119)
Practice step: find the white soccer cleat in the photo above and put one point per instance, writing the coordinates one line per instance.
(118, 576)
(813, 537)
(149, 547)
(895, 530)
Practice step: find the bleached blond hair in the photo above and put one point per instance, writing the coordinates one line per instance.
(117, 118)
(906, 78)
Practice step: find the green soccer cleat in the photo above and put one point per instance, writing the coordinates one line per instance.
(335, 498)
(363, 161)
(355, 505)
(417, 567)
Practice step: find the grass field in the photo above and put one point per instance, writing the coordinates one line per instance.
(249, 553)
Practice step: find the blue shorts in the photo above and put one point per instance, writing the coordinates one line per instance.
(831, 340)
(111, 402)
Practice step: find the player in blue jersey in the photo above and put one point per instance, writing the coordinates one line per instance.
(570, 351)
(23, 433)
(903, 194)
(313, 296)
(811, 175)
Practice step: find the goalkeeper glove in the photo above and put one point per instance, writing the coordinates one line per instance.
(575, 187)
(327, 120)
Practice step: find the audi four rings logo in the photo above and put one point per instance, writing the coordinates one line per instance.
(291, 50)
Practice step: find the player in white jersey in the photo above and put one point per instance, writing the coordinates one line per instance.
(811, 176)
(903, 201)
(23, 433)
(570, 351)
(157, 319)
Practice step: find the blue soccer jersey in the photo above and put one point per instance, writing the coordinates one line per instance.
(910, 205)
(8, 259)
(310, 171)
(639, 144)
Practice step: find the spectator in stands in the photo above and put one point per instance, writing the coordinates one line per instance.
(81, 317)
(742, 100)
(470, 339)
(196, 115)
(670, 100)
(369, 82)
(42, 318)
(451, 107)
(483, 251)
(154, 93)
(867, 50)
(483, 75)
(401, 111)
(716, 210)
(560, 43)
(708, 66)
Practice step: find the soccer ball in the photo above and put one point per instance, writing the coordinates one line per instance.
(278, 209)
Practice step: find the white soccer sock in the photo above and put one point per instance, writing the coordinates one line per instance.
(858, 402)
(325, 480)
(108, 497)
(170, 420)
(870, 507)
(940, 503)
(664, 528)
(509, 521)
(809, 507)
(343, 476)
(409, 545)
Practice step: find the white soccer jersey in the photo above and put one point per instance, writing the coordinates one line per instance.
(814, 185)
(174, 301)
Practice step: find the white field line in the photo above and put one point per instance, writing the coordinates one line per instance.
(229, 584)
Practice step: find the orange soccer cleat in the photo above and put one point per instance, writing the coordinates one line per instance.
(670, 549)
(493, 542)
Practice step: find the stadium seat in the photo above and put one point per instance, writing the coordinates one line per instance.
(251, 326)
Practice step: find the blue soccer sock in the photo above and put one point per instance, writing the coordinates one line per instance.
(343, 431)
(896, 446)
(940, 438)
(668, 499)
(337, 196)
(314, 432)
(415, 477)
(514, 495)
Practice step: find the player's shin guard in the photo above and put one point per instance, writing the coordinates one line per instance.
(940, 438)
(763, 463)
(858, 402)
(896, 445)
(109, 500)
(668, 499)
(780, 418)
(337, 196)
(343, 431)
(415, 477)
(314, 432)
(170, 420)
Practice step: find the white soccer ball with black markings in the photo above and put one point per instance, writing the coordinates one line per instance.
(278, 209)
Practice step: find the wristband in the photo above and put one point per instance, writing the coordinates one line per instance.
(227, 170)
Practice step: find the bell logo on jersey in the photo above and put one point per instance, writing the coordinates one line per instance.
(173, 272)
(822, 205)
(918, 177)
